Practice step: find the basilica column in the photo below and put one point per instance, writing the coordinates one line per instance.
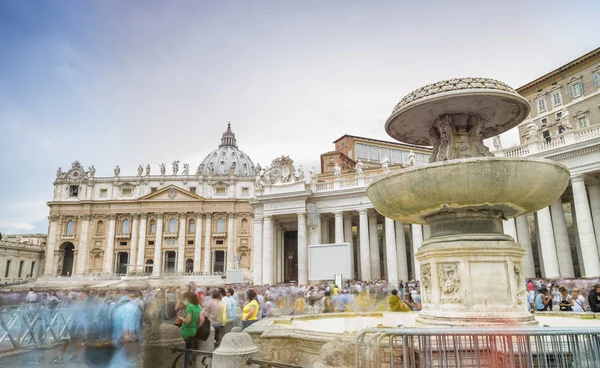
(53, 234)
(417, 235)
(348, 239)
(110, 246)
(257, 251)
(525, 242)
(84, 240)
(339, 227)
(374, 246)
(547, 244)
(390, 249)
(302, 250)
(131, 259)
(198, 242)
(324, 230)
(181, 242)
(365, 254)
(401, 252)
(278, 253)
(207, 244)
(561, 238)
(267, 260)
(141, 252)
(230, 239)
(594, 191)
(510, 228)
(585, 226)
(157, 269)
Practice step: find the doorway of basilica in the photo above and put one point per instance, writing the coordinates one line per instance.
(170, 262)
(122, 262)
(218, 261)
(290, 256)
(68, 257)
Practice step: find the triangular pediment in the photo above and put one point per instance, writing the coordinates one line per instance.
(171, 193)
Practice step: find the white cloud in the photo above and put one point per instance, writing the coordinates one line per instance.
(11, 227)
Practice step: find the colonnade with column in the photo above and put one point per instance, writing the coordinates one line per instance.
(554, 247)
(362, 229)
(99, 232)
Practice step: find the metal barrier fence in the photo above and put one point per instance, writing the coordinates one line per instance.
(532, 347)
(37, 325)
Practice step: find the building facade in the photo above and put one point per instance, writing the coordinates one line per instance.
(563, 240)
(21, 257)
(164, 223)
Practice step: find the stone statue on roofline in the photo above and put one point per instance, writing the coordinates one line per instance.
(175, 167)
(140, 170)
(385, 165)
(148, 170)
(497, 143)
(117, 170)
(163, 168)
(92, 171)
(359, 169)
(186, 170)
(337, 171)
(411, 158)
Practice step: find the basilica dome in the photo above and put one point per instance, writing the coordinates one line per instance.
(227, 159)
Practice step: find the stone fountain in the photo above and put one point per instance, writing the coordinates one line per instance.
(470, 270)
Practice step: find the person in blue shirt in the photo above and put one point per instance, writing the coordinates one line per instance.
(543, 301)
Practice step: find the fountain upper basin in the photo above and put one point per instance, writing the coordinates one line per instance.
(515, 186)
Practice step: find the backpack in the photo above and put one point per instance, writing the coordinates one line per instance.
(203, 330)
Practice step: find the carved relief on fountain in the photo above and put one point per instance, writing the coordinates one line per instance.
(457, 136)
(426, 283)
(519, 283)
(449, 282)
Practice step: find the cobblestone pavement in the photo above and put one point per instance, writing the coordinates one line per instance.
(118, 358)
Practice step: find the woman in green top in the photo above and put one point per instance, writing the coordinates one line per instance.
(189, 322)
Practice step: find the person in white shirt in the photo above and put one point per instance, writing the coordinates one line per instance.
(578, 301)
(31, 297)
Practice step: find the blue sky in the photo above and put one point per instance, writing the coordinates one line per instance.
(136, 82)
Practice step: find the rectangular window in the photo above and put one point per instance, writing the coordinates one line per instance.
(361, 151)
(21, 268)
(582, 122)
(32, 268)
(73, 190)
(123, 244)
(559, 115)
(190, 242)
(373, 153)
(385, 152)
(193, 190)
(220, 191)
(245, 191)
(597, 79)
(150, 242)
(541, 105)
(396, 157)
(153, 189)
(544, 121)
(103, 193)
(576, 89)
(126, 192)
(556, 98)
(546, 135)
(219, 242)
(7, 268)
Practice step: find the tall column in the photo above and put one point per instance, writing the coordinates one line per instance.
(324, 230)
(279, 253)
(339, 227)
(141, 243)
(402, 263)
(181, 242)
(53, 234)
(561, 238)
(132, 257)
(84, 240)
(158, 261)
(207, 244)
(547, 244)
(585, 226)
(594, 191)
(231, 218)
(267, 261)
(417, 233)
(374, 247)
(390, 249)
(348, 239)
(365, 254)
(510, 228)
(577, 243)
(110, 245)
(257, 251)
(198, 242)
(302, 250)
(524, 239)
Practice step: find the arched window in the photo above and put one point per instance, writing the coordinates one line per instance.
(172, 225)
(97, 262)
(191, 226)
(70, 227)
(149, 264)
(221, 225)
(100, 227)
(152, 227)
(244, 225)
(189, 265)
(125, 226)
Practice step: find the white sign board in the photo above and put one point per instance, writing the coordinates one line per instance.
(327, 260)
(235, 277)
